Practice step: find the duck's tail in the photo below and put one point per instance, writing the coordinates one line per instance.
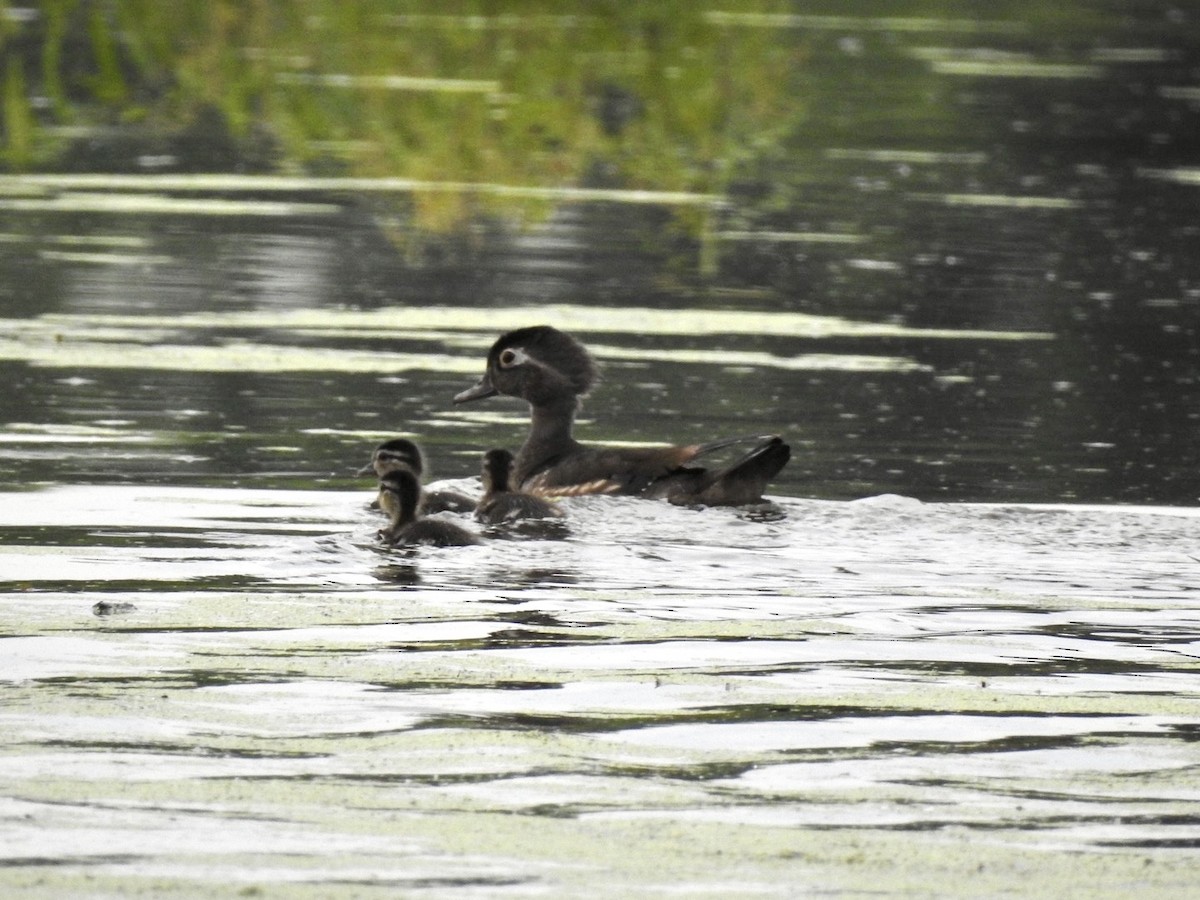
(737, 484)
(759, 440)
(744, 481)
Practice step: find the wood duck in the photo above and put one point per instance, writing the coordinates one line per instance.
(403, 492)
(551, 371)
(499, 503)
(401, 453)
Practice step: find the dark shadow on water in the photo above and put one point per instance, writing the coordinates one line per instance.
(398, 574)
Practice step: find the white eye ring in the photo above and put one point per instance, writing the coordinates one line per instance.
(512, 356)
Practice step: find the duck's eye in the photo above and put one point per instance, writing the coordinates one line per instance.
(509, 358)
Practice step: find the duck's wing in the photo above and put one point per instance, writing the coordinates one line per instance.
(605, 470)
(670, 473)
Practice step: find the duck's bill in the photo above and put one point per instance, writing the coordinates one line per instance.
(479, 392)
(368, 469)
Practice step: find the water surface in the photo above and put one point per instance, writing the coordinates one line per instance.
(666, 697)
(951, 261)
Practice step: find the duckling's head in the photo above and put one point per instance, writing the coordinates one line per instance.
(539, 364)
(394, 454)
(497, 465)
(399, 493)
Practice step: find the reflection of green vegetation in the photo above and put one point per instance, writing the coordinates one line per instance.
(665, 96)
(18, 125)
(649, 95)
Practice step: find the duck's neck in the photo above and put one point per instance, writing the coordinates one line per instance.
(549, 435)
(405, 511)
(494, 477)
(552, 422)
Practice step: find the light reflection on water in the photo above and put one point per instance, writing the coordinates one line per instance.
(861, 668)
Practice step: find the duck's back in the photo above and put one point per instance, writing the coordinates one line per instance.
(509, 507)
(666, 473)
(445, 501)
(434, 533)
(601, 470)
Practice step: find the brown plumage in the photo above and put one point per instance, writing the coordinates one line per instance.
(400, 453)
(500, 503)
(402, 493)
(551, 371)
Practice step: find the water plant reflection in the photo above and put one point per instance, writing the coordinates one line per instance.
(654, 96)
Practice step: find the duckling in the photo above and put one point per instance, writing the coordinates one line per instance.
(552, 371)
(401, 452)
(499, 502)
(401, 492)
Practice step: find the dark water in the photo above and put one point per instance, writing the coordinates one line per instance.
(998, 182)
(952, 260)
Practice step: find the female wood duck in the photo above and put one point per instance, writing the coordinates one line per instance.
(403, 492)
(499, 503)
(401, 453)
(551, 371)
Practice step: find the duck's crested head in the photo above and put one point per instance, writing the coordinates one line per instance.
(539, 364)
(497, 464)
(548, 348)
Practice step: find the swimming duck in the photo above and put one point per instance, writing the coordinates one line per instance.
(402, 492)
(500, 503)
(403, 453)
(551, 371)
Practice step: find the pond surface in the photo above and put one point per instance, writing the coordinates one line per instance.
(959, 656)
(211, 687)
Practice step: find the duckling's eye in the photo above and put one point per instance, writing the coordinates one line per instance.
(509, 358)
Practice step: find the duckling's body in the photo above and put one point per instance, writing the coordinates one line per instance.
(499, 503)
(403, 453)
(551, 371)
(401, 491)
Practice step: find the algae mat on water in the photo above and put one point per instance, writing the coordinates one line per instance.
(209, 692)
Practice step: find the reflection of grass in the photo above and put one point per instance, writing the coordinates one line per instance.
(18, 124)
(647, 96)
